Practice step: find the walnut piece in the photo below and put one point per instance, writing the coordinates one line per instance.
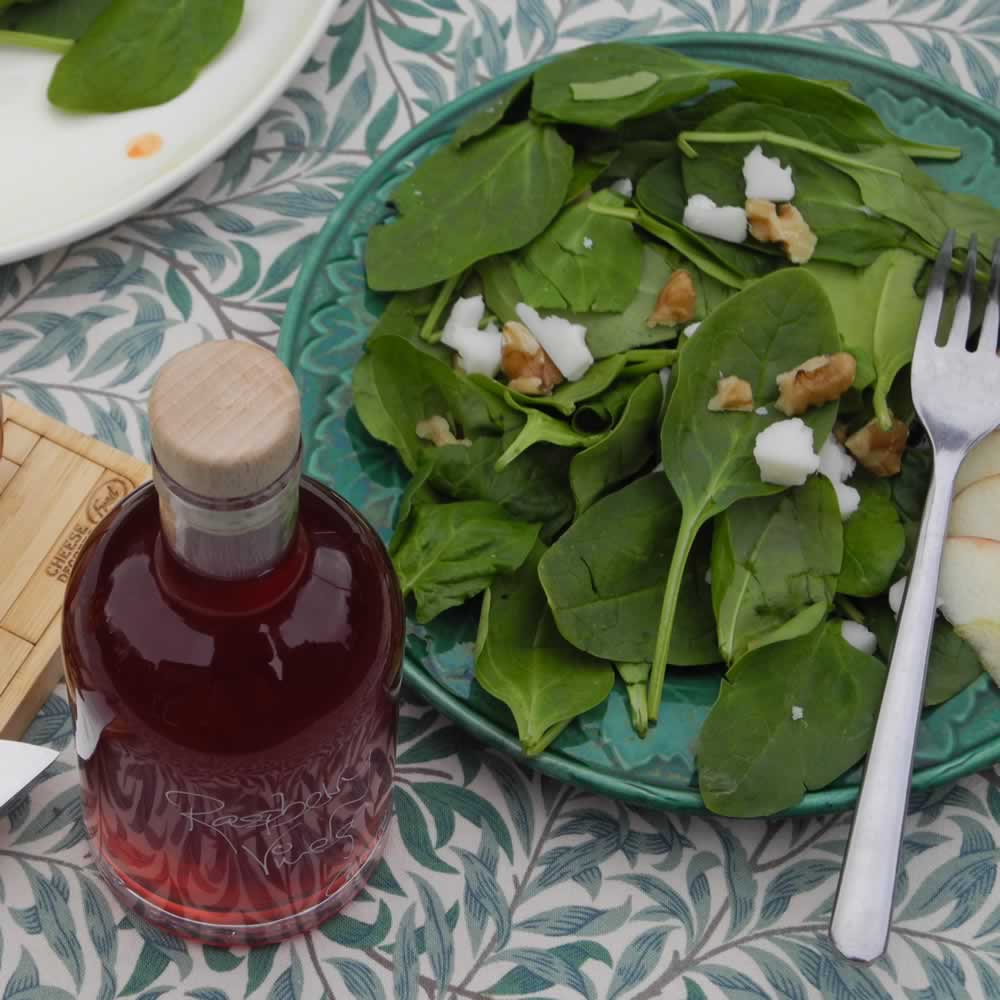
(879, 451)
(732, 393)
(814, 382)
(525, 363)
(436, 429)
(676, 301)
(784, 225)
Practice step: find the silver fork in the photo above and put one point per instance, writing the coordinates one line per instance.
(956, 393)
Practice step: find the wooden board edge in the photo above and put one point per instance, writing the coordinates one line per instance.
(32, 684)
(77, 442)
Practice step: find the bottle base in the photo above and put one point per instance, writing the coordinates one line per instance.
(231, 934)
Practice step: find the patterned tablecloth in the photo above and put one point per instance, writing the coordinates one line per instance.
(496, 882)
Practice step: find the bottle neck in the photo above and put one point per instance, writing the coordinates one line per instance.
(232, 539)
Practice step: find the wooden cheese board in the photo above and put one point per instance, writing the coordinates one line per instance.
(56, 485)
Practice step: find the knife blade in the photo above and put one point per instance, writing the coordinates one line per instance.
(20, 764)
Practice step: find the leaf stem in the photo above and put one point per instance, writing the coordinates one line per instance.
(850, 609)
(26, 40)
(685, 139)
(685, 539)
(429, 330)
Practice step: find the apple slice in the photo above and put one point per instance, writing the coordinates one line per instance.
(975, 511)
(982, 461)
(969, 595)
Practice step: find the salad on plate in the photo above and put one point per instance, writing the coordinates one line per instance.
(645, 359)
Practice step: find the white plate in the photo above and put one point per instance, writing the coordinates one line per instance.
(63, 177)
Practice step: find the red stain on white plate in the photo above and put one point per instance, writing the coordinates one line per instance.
(145, 145)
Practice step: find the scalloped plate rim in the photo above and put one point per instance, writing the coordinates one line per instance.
(553, 763)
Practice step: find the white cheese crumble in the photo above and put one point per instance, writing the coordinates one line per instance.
(479, 351)
(588, 243)
(896, 595)
(784, 453)
(859, 637)
(691, 329)
(624, 187)
(725, 222)
(837, 465)
(797, 713)
(835, 461)
(564, 342)
(761, 411)
(766, 178)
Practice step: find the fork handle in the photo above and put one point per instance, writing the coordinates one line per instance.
(862, 911)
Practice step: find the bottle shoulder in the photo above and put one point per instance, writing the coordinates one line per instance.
(185, 652)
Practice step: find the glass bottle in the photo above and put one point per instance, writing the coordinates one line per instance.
(233, 638)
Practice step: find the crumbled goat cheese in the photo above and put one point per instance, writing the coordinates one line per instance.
(761, 411)
(766, 178)
(588, 243)
(465, 314)
(797, 713)
(848, 499)
(691, 329)
(784, 453)
(837, 465)
(896, 595)
(624, 187)
(835, 462)
(859, 637)
(725, 222)
(479, 351)
(564, 342)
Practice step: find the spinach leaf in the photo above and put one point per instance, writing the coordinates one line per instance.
(602, 412)
(586, 170)
(634, 676)
(540, 428)
(603, 85)
(503, 108)
(516, 177)
(827, 197)
(452, 551)
(874, 540)
(522, 660)
(534, 487)
(604, 579)
(584, 262)
(404, 316)
(842, 113)
(773, 558)
(398, 384)
(140, 53)
(609, 334)
(952, 664)
(51, 18)
(662, 194)
(500, 288)
(877, 313)
(769, 328)
(619, 455)
(754, 759)
(565, 397)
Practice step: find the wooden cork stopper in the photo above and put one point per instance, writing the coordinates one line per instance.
(224, 419)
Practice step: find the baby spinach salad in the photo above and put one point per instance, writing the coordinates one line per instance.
(118, 55)
(645, 358)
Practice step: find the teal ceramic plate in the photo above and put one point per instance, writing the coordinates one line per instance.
(331, 313)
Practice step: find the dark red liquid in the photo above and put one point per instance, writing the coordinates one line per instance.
(243, 769)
